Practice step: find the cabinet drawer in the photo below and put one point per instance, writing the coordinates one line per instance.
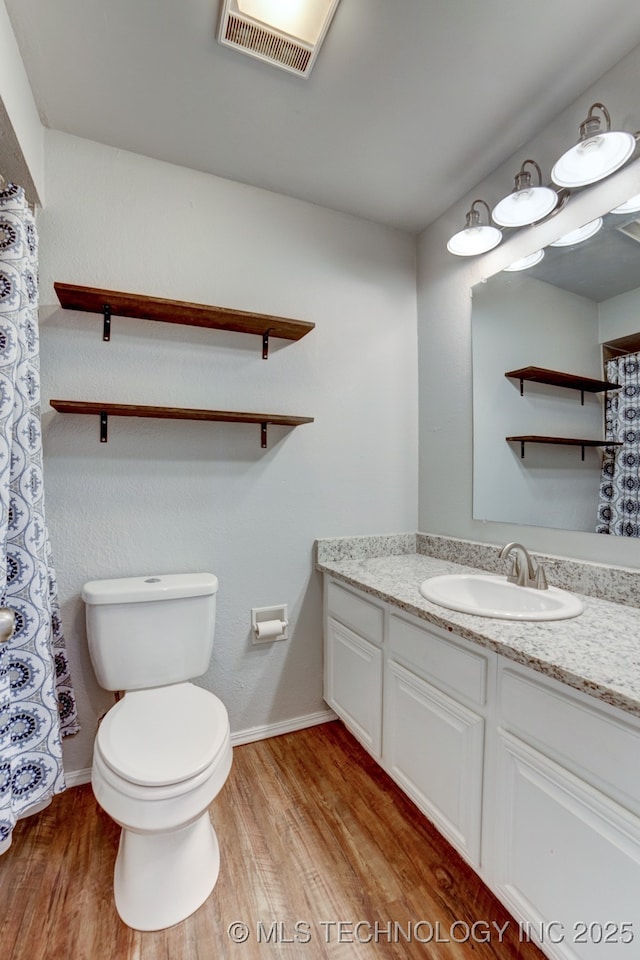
(599, 747)
(361, 615)
(442, 662)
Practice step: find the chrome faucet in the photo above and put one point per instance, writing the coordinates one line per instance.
(523, 572)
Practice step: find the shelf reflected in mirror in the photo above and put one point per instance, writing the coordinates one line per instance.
(570, 312)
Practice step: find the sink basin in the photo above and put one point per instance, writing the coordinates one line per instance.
(486, 595)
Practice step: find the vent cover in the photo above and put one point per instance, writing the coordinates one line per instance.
(631, 229)
(268, 43)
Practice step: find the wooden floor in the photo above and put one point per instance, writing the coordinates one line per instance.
(322, 856)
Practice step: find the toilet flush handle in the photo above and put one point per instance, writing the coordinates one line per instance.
(7, 624)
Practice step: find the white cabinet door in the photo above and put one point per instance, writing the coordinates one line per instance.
(353, 683)
(567, 858)
(433, 748)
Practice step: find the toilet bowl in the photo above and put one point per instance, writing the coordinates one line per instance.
(160, 758)
(163, 751)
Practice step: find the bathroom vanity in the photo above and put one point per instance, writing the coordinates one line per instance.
(519, 741)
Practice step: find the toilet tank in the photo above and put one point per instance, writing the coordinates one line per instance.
(150, 631)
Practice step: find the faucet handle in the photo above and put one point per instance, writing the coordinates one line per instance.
(541, 578)
(514, 571)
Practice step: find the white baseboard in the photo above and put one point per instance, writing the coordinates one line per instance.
(76, 778)
(277, 729)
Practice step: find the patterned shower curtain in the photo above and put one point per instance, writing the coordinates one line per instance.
(37, 706)
(619, 504)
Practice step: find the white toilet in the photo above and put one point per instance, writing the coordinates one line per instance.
(163, 751)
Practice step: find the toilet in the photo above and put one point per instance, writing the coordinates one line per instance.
(163, 751)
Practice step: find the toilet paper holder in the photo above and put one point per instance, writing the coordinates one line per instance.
(269, 623)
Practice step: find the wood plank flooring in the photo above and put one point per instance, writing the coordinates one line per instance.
(322, 857)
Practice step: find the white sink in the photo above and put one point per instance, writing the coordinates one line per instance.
(490, 596)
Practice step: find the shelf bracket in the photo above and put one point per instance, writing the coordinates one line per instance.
(106, 326)
(104, 422)
(582, 404)
(265, 344)
(522, 392)
(522, 445)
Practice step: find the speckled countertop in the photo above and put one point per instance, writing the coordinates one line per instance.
(597, 652)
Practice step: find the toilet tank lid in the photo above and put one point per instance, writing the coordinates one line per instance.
(142, 589)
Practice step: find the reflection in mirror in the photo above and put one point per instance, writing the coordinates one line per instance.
(570, 313)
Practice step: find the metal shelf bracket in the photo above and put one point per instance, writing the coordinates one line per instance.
(106, 326)
(265, 344)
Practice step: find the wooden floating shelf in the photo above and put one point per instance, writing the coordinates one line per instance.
(563, 441)
(114, 303)
(104, 410)
(558, 379)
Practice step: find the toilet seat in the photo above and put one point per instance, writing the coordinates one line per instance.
(163, 736)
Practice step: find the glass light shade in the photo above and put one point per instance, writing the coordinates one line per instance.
(525, 262)
(594, 158)
(632, 205)
(473, 240)
(523, 207)
(577, 236)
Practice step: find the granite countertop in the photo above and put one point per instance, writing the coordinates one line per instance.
(597, 652)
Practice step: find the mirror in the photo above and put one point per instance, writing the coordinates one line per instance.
(557, 315)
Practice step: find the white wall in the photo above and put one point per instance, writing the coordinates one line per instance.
(21, 133)
(444, 329)
(620, 316)
(519, 321)
(173, 496)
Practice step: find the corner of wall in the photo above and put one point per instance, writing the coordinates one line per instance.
(21, 132)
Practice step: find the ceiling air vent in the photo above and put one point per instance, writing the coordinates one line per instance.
(286, 35)
(631, 229)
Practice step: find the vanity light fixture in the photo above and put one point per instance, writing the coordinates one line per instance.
(527, 204)
(525, 262)
(284, 33)
(578, 236)
(632, 205)
(476, 237)
(597, 154)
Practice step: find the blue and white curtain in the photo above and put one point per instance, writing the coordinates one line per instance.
(619, 504)
(37, 706)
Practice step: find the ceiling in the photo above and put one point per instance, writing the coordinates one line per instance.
(410, 104)
(605, 266)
